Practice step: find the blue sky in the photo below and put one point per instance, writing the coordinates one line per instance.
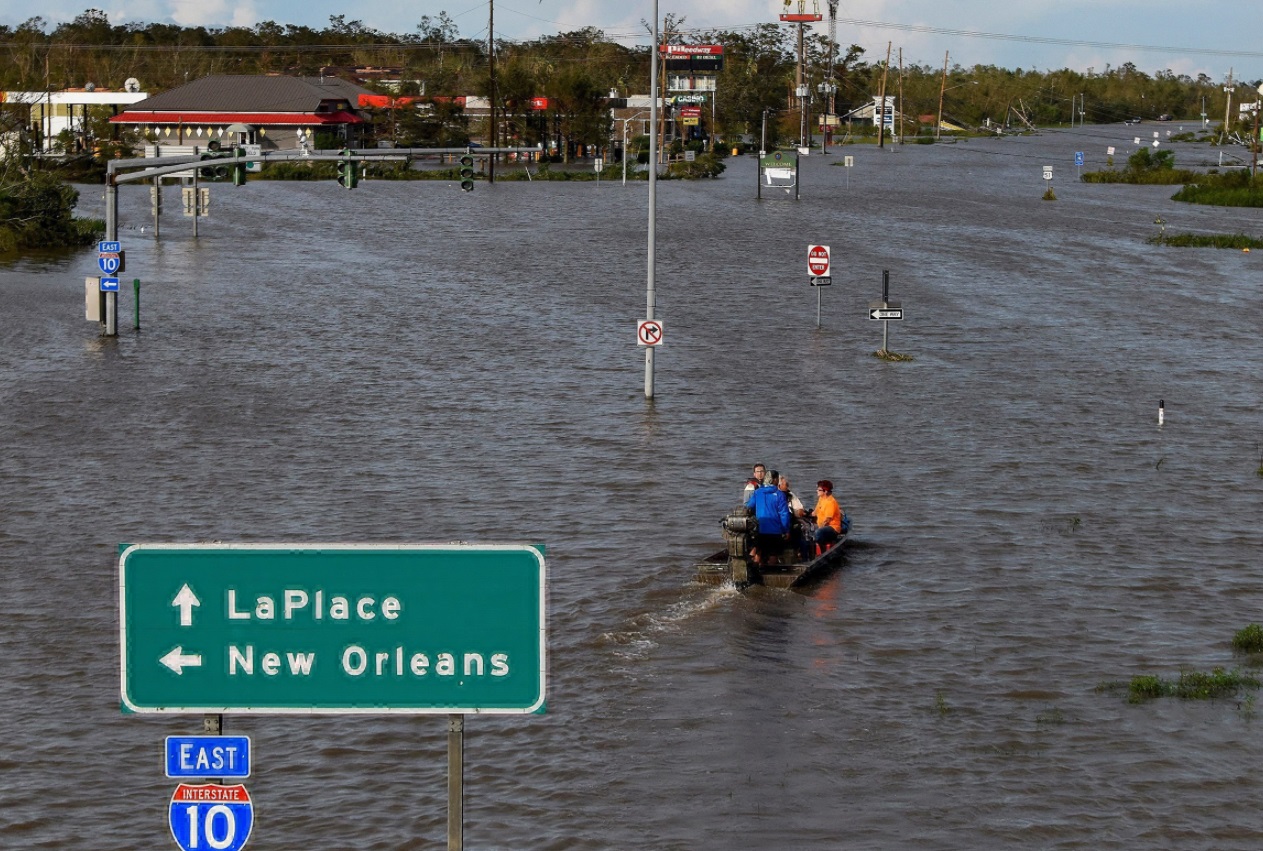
(1155, 35)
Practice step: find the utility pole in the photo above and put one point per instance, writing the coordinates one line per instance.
(1228, 89)
(662, 114)
(881, 106)
(830, 87)
(899, 109)
(800, 89)
(491, 53)
(942, 90)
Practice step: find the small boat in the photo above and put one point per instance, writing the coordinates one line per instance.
(735, 564)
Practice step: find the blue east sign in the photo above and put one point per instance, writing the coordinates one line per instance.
(208, 756)
(109, 247)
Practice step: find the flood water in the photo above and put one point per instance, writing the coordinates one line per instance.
(410, 363)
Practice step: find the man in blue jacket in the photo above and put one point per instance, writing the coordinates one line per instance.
(771, 510)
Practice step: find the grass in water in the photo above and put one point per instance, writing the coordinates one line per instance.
(1211, 240)
(1249, 639)
(1191, 685)
(1049, 195)
(940, 703)
(887, 355)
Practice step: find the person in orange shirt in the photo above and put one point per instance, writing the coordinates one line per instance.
(828, 515)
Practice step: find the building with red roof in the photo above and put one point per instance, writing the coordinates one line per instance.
(274, 112)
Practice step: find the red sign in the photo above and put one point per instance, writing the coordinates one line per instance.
(818, 261)
(649, 333)
(690, 112)
(539, 103)
(691, 49)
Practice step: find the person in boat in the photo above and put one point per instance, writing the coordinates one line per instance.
(771, 511)
(796, 507)
(828, 515)
(802, 530)
(755, 481)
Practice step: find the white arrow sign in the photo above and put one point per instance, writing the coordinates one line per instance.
(185, 601)
(177, 660)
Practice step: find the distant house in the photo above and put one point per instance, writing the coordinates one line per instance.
(274, 112)
(52, 114)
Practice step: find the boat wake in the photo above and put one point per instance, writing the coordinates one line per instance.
(642, 632)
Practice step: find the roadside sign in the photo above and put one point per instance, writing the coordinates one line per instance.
(112, 247)
(1078, 157)
(208, 756)
(1109, 152)
(1047, 172)
(885, 313)
(822, 281)
(108, 264)
(818, 261)
(332, 628)
(211, 816)
(109, 285)
(649, 332)
(848, 162)
(598, 164)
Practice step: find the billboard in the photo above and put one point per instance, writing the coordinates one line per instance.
(693, 58)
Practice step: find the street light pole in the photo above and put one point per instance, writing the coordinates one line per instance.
(625, 120)
(653, 199)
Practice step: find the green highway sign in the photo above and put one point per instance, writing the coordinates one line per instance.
(332, 628)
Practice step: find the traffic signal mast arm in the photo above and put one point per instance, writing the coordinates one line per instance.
(174, 165)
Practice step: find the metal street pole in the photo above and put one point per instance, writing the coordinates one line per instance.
(455, 782)
(653, 199)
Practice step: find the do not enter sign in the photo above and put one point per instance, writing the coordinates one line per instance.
(818, 261)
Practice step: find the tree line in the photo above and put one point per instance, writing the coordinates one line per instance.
(578, 70)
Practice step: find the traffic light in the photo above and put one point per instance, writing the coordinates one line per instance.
(213, 172)
(467, 173)
(348, 171)
(239, 169)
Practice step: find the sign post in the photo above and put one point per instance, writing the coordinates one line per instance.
(885, 310)
(110, 262)
(818, 272)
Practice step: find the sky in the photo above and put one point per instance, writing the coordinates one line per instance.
(1154, 35)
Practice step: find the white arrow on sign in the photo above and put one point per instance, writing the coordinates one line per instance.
(177, 660)
(185, 601)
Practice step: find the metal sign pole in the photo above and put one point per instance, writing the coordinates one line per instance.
(455, 782)
(213, 725)
(885, 302)
(197, 203)
(817, 307)
(653, 201)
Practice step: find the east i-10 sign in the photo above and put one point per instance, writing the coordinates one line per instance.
(332, 628)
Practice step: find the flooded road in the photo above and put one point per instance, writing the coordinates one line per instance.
(407, 362)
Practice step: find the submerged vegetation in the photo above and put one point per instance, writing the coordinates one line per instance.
(1249, 639)
(1215, 684)
(886, 355)
(1236, 188)
(1145, 168)
(1191, 685)
(1214, 240)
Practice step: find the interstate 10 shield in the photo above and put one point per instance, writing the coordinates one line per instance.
(211, 816)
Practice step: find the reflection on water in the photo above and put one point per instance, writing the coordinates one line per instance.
(414, 363)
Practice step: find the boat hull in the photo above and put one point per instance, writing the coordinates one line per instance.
(722, 568)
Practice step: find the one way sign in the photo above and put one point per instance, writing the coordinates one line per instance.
(885, 313)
